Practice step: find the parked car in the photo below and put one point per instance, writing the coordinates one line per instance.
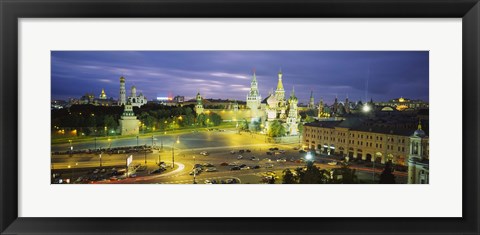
(245, 168)
(239, 157)
(241, 151)
(281, 151)
(231, 181)
(207, 164)
(248, 151)
(269, 153)
(223, 164)
(235, 168)
(210, 181)
(211, 169)
(256, 167)
(332, 163)
(281, 160)
(254, 159)
(204, 153)
(232, 152)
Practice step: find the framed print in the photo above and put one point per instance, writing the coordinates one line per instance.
(239, 117)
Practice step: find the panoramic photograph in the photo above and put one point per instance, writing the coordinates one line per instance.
(239, 117)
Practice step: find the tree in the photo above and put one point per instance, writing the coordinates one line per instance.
(300, 128)
(309, 119)
(387, 176)
(276, 129)
(110, 122)
(312, 175)
(288, 177)
(200, 121)
(215, 119)
(348, 175)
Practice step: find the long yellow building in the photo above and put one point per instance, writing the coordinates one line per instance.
(366, 139)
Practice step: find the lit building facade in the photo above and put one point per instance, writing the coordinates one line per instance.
(402, 104)
(136, 100)
(356, 138)
(129, 124)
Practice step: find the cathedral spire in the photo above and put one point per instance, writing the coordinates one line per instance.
(280, 83)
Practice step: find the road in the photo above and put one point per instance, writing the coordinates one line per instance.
(218, 144)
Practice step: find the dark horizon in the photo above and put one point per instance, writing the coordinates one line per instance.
(227, 74)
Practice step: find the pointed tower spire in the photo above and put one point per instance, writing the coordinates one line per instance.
(419, 124)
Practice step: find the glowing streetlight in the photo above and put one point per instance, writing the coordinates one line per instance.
(309, 156)
(366, 108)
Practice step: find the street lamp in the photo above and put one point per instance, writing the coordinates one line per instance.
(366, 108)
(100, 156)
(71, 148)
(173, 152)
(309, 156)
(194, 171)
(145, 152)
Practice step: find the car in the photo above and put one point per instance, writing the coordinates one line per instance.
(223, 164)
(269, 153)
(232, 152)
(332, 163)
(207, 164)
(159, 170)
(245, 168)
(235, 168)
(96, 171)
(241, 151)
(103, 170)
(267, 159)
(271, 149)
(233, 164)
(254, 159)
(231, 181)
(268, 165)
(204, 153)
(300, 161)
(211, 169)
(292, 159)
(275, 148)
(302, 151)
(210, 182)
(281, 160)
(248, 151)
(256, 167)
(276, 153)
(239, 157)
(197, 166)
(281, 151)
(243, 165)
(221, 130)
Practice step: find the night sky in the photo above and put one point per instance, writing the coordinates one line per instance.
(227, 74)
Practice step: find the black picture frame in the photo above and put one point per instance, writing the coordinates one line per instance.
(11, 11)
